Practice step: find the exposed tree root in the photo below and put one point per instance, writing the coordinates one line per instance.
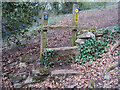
(115, 46)
(111, 52)
(113, 67)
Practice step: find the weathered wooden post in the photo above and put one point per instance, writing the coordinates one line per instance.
(75, 21)
(44, 32)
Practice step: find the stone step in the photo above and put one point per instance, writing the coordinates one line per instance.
(86, 35)
(62, 48)
(65, 72)
(79, 41)
(64, 52)
(99, 33)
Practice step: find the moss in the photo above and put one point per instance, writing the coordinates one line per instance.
(12, 75)
(23, 59)
(44, 71)
(111, 68)
(84, 30)
(21, 80)
(39, 78)
(92, 30)
(84, 27)
(92, 84)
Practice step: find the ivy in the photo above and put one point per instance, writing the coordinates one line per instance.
(47, 56)
(15, 38)
(19, 15)
(17, 18)
(91, 50)
(61, 64)
(111, 34)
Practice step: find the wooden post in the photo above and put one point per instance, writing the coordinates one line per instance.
(75, 20)
(74, 36)
(75, 6)
(44, 19)
(43, 33)
(44, 38)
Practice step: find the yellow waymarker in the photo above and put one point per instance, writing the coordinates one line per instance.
(76, 10)
(76, 15)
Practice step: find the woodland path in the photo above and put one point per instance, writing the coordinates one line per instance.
(62, 38)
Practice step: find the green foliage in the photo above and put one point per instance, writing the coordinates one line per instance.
(47, 58)
(19, 15)
(92, 84)
(61, 7)
(91, 49)
(16, 37)
(111, 34)
(17, 19)
(67, 7)
(55, 6)
(92, 5)
(118, 53)
(12, 75)
(61, 64)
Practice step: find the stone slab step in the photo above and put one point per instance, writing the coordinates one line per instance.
(65, 72)
(86, 35)
(64, 53)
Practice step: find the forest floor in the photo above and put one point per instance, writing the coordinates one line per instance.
(62, 38)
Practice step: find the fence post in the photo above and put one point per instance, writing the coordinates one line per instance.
(43, 32)
(74, 36)
(75, 20)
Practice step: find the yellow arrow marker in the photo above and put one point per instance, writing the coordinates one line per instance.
(76, 17)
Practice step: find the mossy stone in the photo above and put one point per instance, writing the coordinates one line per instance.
(28, 58)
(82, 31)
(92, 31)
(44, 71)
(39, 78)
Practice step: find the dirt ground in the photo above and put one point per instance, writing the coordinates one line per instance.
(95, 18)
(91, 19)
(59, 38)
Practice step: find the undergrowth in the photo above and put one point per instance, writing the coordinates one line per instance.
(47, 56)
(90, 50)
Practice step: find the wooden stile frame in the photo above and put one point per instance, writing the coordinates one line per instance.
(45, 28)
